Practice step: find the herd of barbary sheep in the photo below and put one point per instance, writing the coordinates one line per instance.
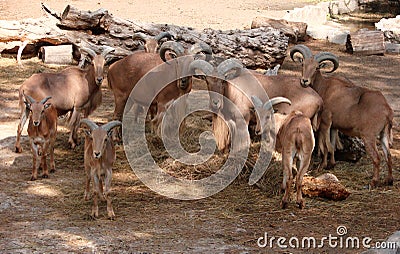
(315, 104)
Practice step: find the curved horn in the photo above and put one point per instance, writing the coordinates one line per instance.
(107, 50)
(228, 65)
(201, 47)
(163, 35)
(256, 101)
(108, 126)
(327, 56)
(140, 36)
(45, 100)
(269, 104)
(89, 123)
(302, 49)
(174, 46)
(91, 52)
(29, 98)
(202, 65)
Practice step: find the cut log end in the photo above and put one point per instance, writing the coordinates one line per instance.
(366, 42)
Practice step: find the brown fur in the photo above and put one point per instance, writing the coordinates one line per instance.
(73, 90)
(307, 101)
(353, 110)
(42, 137)
(99, 157)
(295, 140)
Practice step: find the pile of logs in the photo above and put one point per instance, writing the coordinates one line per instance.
(262, 47)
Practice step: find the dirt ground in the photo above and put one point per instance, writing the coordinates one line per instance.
(50, 215)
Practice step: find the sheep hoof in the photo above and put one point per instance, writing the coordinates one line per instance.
(45, 176)
(92, 217)
(33, 178)
(374, 184)
(111, 217)
(52, 170)
(301, 204)
(18, 149)
(284, 204)
(330, 166)
(389, 181)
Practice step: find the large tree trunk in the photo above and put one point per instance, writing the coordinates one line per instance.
(257, 48)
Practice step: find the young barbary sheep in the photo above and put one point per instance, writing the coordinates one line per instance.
(294, 140)
(99, 158)
(42, 129)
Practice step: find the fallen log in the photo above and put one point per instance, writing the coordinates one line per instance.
(296, 31)
(366, 42)
(262, 47)
(324, 186)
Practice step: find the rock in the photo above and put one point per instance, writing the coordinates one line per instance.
(319, 27)
(331, 32)
(390, 28)
(343, 6)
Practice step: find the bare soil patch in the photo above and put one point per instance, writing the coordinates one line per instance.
(50, 215)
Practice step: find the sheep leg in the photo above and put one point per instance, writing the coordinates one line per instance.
(384, 139)
(324, 141)
(96, 188)
(107, 181)
(35, 167)
(44, 158)
(335, 140)
(87, 182)
(304, 165)
(333, 135)
(52, 163)
(74, 125)
(372, 150)
(23, 118)
(287, 160)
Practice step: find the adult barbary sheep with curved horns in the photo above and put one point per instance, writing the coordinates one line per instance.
(151, 42)
(73, 90)
(125, 73)
(353, 110)
(42, 130)
(99, 158)
(220, 79)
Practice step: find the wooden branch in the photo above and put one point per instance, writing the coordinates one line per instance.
(20, 50)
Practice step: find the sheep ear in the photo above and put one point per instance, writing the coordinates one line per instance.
(27, 105)
(256, 101)
(322, 65)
